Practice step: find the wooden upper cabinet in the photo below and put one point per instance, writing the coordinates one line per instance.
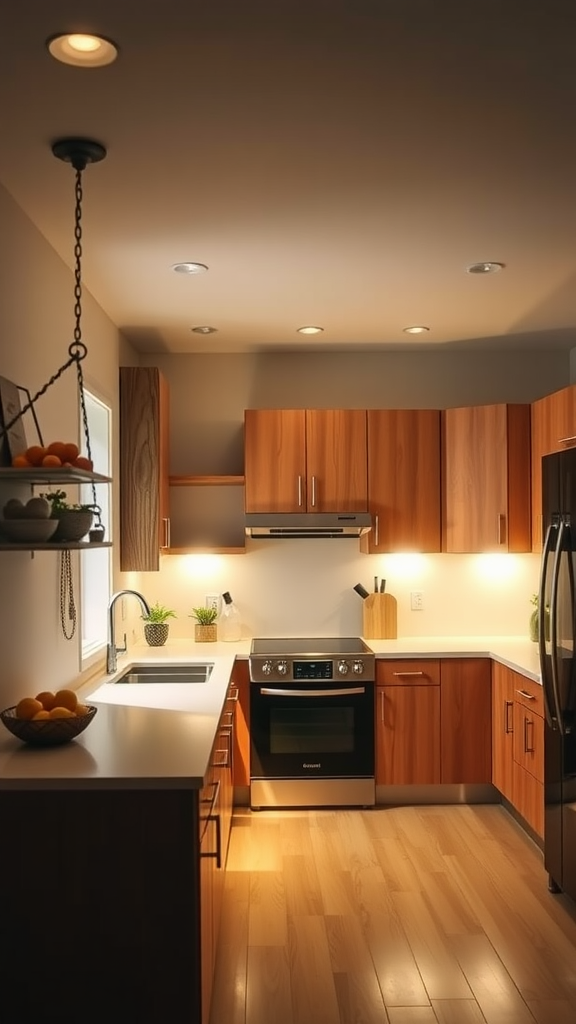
(305, 460)
(404, 496)
(144, 469)
(553, 429)
(486, 478)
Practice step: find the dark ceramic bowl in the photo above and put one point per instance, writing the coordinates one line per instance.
(47, 732)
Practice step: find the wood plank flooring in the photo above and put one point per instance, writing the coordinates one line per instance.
(402, 915)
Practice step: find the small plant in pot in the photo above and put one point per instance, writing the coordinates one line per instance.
(205, 630)
(156, 628)
(74, 520)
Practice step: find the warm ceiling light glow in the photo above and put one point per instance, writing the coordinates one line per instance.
(417, 329)
(82, 50)
(189, 268)
(310, 330)
(204, 330)
(484, 268)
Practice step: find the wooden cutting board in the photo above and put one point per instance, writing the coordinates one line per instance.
(380, 617)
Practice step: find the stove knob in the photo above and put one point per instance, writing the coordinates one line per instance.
(358, 667)
(281, 668)
(266, 668)
(343, 668)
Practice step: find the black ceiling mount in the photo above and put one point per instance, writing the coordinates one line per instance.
(78, 152)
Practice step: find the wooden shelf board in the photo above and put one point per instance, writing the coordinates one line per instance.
(51, 475)
(55, 546)
(204, 551)
(206, 481)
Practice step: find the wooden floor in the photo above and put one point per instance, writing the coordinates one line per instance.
(412, 915)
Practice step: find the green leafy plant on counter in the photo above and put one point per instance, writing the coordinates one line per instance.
(159, 613)
(204, 616)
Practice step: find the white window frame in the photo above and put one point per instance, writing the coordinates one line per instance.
(96, 570)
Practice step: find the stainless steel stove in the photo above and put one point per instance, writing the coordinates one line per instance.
(311, 722)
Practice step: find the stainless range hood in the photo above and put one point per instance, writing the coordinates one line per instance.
(307, 524)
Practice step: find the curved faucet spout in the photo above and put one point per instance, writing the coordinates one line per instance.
(113, 650)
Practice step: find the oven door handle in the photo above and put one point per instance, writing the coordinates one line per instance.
(340, 692)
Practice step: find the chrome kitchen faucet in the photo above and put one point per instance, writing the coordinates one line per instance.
(112, 650)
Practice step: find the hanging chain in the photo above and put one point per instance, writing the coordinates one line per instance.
(67, 602)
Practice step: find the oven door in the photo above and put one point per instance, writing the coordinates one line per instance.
(312, 729)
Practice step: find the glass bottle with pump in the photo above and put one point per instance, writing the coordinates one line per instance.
(230, 626)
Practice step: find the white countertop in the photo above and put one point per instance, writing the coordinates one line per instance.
(161, 735)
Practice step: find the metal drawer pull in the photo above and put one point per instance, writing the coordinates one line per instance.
(501, 528)
(507, 726)
(344, 691)
(377, 530)
(313, 492)
(224, 763)
(211, 801)
(299, 492)
(229, 715)
(233, 693)
(523, 693)
(408, 673)
(528, 722)
(567, 440)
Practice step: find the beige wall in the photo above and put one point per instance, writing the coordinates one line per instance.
(36, 328)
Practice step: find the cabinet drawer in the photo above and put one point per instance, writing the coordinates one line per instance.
(529, 694)
(418, 672)
(528, 741)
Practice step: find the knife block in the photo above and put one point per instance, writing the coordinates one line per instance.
(380, 617)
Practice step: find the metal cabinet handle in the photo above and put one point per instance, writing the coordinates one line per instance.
(528, 722)
(381, 705)
(230, 716)
(501, 528)
(215, 817)
(420, 673)
(212, 802)
(225, 762)
(376, 530)
(527, 696)
(233, 693)
(508, 726)
(166, 543)
(313, 492)
(567, 440)
(299, 492)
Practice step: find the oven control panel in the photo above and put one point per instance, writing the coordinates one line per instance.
(262, 669)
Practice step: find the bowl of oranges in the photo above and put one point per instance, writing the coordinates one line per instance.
(49, 719)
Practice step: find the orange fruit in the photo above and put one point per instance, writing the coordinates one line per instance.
(41, 716)
(61, 713)
(66, 699)
(81, 462)
(35, 453)
(56, 448)
(81, 709)
(71, 452)
(28, 707)
(51, 460)
(21, 460)
(46, 698)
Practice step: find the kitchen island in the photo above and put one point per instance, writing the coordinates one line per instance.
(113, 854)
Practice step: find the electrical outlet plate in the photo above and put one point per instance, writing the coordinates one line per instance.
(417, 600)
(213, 601)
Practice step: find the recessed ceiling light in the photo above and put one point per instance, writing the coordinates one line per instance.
(82, 50)
(484, 268)
(310, 330)
(189, 268)
(204, 330)
(417, 329)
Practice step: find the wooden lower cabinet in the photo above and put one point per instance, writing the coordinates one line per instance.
(518, 743)
(466, 720)
(407, 722)
(241, 756)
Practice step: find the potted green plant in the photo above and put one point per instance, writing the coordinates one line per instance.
(74, 520)
(156, 628)
(205, 630)
(534, 621)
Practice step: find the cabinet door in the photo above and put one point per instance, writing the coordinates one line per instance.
(553, 420)
(503, 680)
(144, 470)
(275, 460)
(466, 726)
(336, 459)
(486, 478)
(407, 735)
(529, 798)
(529, 741)
(404, 494)
(241, 754)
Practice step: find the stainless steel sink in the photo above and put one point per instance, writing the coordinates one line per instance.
(197, 673)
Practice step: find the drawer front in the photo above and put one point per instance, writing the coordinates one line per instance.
(529, 694)
(529, 741)
(406, 672)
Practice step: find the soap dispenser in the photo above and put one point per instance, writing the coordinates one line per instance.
(230, 626)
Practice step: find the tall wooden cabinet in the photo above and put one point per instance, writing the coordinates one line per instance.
(305, 460)
(553, 429)
(486, 478)
(144, 468)
(403, 481)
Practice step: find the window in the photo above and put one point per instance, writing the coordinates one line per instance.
(96, 564)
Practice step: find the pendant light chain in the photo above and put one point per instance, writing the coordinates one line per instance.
(78, 349)
(67, 602)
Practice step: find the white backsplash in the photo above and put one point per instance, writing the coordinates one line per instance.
(305, 588)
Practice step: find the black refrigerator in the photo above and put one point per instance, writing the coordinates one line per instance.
(557, 631)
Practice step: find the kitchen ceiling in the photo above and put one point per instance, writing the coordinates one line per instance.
(333, 162)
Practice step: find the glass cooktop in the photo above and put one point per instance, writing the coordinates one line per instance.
(331, 646)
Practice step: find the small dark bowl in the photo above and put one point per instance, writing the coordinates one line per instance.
(47, 732)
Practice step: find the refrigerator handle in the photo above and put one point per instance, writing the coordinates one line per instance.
(550, 545)
(554, 625)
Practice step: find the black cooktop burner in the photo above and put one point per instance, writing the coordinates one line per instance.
(331, 646)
